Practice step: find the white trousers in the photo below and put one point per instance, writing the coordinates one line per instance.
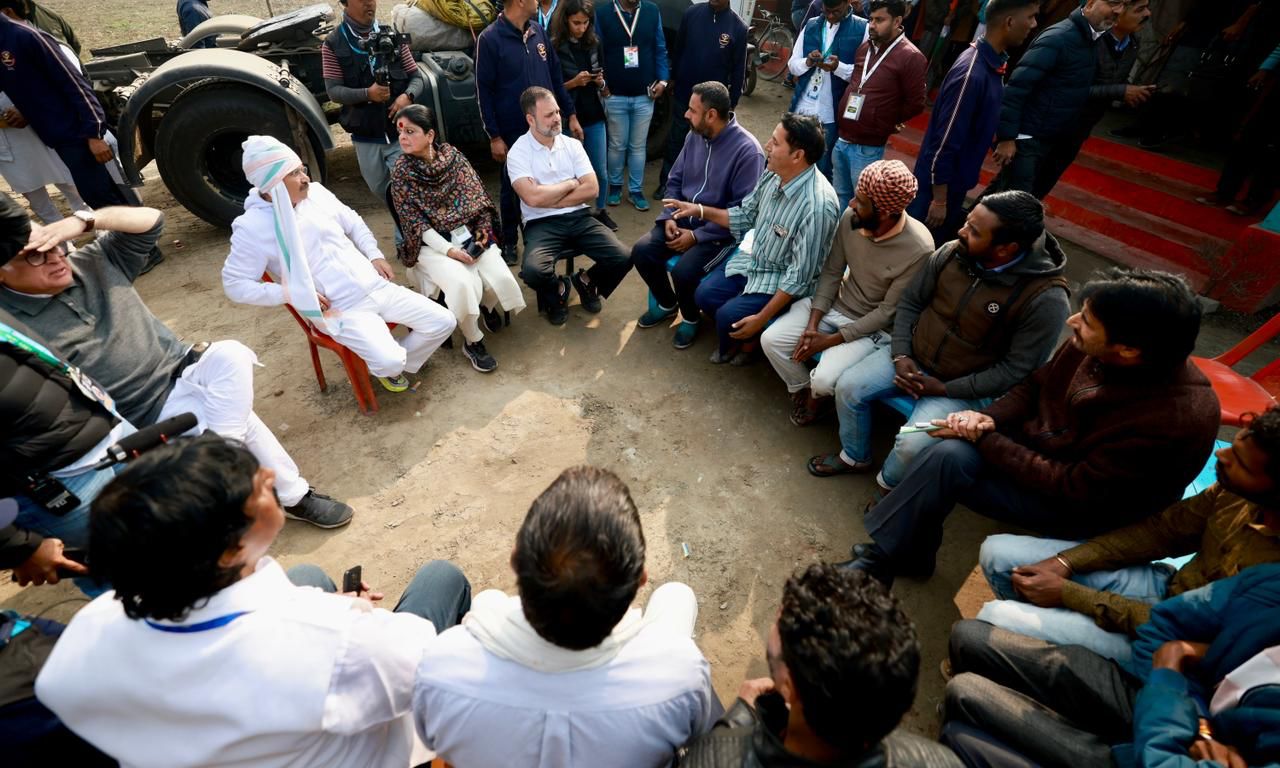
(363, 329)
(779, 341)
(218, 389)
(488, 282)
(674, 605)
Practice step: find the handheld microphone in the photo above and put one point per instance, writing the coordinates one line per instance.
(145, 439)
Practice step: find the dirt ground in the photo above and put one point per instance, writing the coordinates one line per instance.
(447, 471)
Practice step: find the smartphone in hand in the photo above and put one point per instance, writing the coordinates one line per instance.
(352, 579)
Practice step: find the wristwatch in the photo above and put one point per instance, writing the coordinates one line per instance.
(87, 217)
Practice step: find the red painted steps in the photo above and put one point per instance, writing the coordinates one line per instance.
(1129, 205)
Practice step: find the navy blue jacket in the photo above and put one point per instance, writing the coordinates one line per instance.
(508, 61)
(964, 120)
(1051, 84)
(849, 38)
(709, 46)
(719, 173)
(50, 92)
(648, 38)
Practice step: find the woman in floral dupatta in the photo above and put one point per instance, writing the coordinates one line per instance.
(447, 220)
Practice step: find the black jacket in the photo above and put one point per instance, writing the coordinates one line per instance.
(747, 738)
(1051, 83)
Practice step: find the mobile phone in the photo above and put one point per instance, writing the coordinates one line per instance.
(351, 579)
(919, 426)
(76, 554)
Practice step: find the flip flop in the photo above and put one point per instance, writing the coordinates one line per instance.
(830, 465)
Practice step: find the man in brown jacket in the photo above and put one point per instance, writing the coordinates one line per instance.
(1107, 433)
(1097, 593)
(886, 89)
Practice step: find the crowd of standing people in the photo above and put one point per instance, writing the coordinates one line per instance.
(861, 281)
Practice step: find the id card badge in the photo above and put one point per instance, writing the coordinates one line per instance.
(853, 110)
(88, 388)
(815, 86)
(631, 56)
(460, 236)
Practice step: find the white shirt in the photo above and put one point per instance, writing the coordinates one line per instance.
(304, 679)
(823, 107)
(566, 159)
(478, 710)
(338, 244)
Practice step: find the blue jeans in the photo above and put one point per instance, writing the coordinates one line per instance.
(73, 527)
(595, 143)
(628, 118)
(438, 593)
(871, 379)
(721, 297)
(1002, 553)
(847, 162)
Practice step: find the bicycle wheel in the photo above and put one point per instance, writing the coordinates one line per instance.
(775, 49)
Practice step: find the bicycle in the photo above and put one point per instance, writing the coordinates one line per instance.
(768, 51)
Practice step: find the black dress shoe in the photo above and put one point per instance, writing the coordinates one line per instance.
(873, 560)
(912, 570)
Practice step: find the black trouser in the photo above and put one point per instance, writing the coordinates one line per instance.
(551, 237)
(1059, 705)
(978, 749)
(675, 142)
(509, 202)
(907, 523)
(650, 255)
(1035, 168)
(1255, 155)
(93, 182)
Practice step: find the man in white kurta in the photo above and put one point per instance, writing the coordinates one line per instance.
(352, 279)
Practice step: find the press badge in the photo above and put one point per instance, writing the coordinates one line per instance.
(631, 56)
(853, 110)
(815, 86)
(460, 236)
(779, 231)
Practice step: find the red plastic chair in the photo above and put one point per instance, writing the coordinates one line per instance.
(357, 370)
(1240, 394)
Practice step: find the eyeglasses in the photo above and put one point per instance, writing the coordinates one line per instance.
(297, 172)
(40, 258)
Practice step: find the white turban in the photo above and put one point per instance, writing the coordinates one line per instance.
(267, 160)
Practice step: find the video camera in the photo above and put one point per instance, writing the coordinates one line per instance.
(384, 47)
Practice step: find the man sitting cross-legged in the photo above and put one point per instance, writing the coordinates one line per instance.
(843, 661)
(85, 307)
(1107, 433)
(1098, 592)
(981, 315)
(874, 256)
(207, 653)
(553, 177)
(719, 166)
(568, 674)
(327, 266)
(783, 229)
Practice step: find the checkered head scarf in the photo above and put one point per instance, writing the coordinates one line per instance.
(890, 185)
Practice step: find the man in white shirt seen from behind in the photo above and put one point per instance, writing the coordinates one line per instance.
(207, 654)
(553, 177)
(568, 674)
(330, 246)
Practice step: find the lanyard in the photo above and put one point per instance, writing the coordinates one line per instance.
(29, 345)
(634, 19)
(358, 49)
(186, 629)
(542, 20)
(834, 34)
(867, 72)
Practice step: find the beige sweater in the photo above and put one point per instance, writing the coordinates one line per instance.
(878, 274)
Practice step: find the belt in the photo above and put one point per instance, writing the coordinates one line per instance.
(191, 358)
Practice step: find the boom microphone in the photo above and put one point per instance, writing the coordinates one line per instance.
(145, 439)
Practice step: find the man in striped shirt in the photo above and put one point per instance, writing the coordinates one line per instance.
(964, 119)
(784, 228)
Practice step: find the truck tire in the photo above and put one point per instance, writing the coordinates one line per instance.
(198, 148)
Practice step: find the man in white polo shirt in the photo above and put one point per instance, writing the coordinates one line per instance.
(553, 177)
(207, 654)
(568, 674)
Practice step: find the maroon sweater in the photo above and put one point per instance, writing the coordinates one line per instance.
(894, 94)
(1114, 444)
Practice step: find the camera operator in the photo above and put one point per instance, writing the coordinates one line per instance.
(369, 70)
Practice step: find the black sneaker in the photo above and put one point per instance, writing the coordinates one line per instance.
(510, 255)
(556, 304)
(587, 292)
(320, 510)
(492, 319)
(604, 218)
(153, 260)
(480, 358)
